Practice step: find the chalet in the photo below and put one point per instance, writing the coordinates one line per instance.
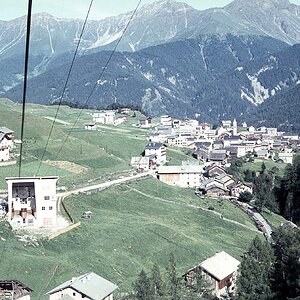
(176, 123)
(291, 136)
(214, 170)
(160, 134)
(201, 154)
(209, 134)
(264, 154)
(220, 271)
(206, 145)
(229, 140)
(272, 131)
(218, 156)
(14, 289)
(90, 126)
(286, 157)
(166, 120)
(189, 174)
(141, 163)
(104, 117)
(125, 110)
(225, 179)
(236, 150)
(237, 188)
(145, 122)
(157, 149)
(213, 187)
(226, 123)
(216, 190)
(32, 201)
(251, 129)
(119, 120)
(218, 144)
(6, 144)
(89, 286)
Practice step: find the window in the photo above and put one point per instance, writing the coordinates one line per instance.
(43, 207)
(74, 294)
(47, 198)
(50, 207)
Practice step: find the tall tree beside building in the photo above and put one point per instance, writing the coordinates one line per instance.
(263, 184)
(172, 279)
(287, 194)
(254, 280)
(156, 281)
(142, 287)
(287, 264)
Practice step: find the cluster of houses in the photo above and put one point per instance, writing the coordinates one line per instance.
(107, 117)
(211, 148)
(219, 272)
(229, 139)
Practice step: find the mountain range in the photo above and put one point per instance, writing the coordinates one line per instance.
(174, 59)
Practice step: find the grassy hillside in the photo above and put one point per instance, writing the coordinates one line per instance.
(132, 226)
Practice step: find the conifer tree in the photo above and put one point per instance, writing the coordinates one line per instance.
(172, 280)
(156, 281)
(254, 279)
(142, 287)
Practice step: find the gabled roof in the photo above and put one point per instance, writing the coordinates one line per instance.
(14, 286)
(220, 265)
(5, 130)
(89, 284)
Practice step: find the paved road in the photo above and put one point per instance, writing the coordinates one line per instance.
(104, 184)
(267, 227)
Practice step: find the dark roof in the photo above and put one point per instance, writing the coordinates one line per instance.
(153, 145)
(232, 138)
(16, 287)
(218, 155)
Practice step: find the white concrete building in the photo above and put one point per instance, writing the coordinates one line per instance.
(88, 286)
(286, 157)
(166, 120)
(32, 201)
(157, 149)
(104, 117)
(6, 144)
(187, 175)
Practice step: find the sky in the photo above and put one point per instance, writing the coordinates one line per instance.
(101, 9)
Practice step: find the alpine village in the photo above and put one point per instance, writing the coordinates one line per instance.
(150, 155)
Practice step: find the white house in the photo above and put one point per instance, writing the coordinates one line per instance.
(189, 174)
(166, 120)
(157, 149)
(6, 144)
(104, 117)
(32, 201)
(88, 286)
(286, 157)
(90, 126)
(14, 289)
(220, 271)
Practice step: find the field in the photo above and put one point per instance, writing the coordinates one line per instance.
(256, 166)
(133, 225)
(103, 154)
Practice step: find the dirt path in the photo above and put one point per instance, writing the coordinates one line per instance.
(194, 207)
